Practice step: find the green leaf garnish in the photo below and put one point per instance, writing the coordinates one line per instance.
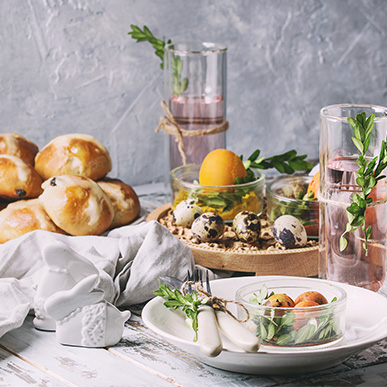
(178, 85)
(287, 162)
(368, 174)
(189, 303)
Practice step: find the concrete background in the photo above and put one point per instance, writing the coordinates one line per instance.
(69, 66)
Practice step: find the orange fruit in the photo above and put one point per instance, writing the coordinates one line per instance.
(314, 184)
(221, 167)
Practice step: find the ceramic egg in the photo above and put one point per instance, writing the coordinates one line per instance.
(186, 212)
(289, 232)
(247, 226)
(208, 227)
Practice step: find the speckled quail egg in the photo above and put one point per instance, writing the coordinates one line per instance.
(208, 227)
(289, 232)
(247, 226)
(186, 212)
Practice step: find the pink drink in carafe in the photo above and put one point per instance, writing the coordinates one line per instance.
(352, 265)
(196, 113)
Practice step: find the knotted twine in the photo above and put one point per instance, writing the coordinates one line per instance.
(169, 125)
(217, 303)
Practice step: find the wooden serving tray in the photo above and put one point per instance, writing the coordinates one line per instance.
(302, 262)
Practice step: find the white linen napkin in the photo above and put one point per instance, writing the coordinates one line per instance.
(129, 259)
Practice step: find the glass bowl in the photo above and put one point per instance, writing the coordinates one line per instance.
(282, 195)
(289, 327)
(227, 200)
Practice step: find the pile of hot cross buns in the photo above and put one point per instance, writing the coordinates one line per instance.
(61, 188)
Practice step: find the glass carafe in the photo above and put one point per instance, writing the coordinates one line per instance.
(195, 87)
(338, 166)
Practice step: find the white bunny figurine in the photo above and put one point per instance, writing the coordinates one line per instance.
(83, 318)
(64, 269)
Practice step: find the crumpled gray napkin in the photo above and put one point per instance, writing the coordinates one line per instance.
(129, 259)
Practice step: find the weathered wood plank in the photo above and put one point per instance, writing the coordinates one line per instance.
(142, 345)
(78, 366)
(16, 372)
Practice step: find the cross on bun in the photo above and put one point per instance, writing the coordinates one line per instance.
(73, 154)
(24, 216)
(18, 180)
(124, 199)
(77, 205)
(16, 145)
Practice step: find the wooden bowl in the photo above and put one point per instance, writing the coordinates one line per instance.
(302, 262)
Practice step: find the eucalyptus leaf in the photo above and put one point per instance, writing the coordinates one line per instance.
(358, 143)
(270, 332)
(343, 243)
(262, 332)
(305, 333)
(284, 339)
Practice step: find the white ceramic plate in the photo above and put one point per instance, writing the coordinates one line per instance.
(365, 313)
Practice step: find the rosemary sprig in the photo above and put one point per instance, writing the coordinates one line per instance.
(287, 162)
(178, 85)
(189, 303)
(368, 175)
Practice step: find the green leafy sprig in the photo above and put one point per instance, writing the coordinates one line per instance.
(146, 35)
(287, 162)
(368, 175)
(189, 303)
(178, 85)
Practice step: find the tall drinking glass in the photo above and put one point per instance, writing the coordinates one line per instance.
(195, 86)
(338, 166)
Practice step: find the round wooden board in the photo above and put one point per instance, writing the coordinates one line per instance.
(301, 262)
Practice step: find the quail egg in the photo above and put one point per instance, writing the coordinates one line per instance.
(247, 226)
(208, 227)
(289, 232)
(186, 212)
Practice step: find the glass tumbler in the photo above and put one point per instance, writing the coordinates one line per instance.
(338, 166)
(195, 87)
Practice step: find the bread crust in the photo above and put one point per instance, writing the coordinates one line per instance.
(16, 145)
(18, 180)
(73, 154)
(124, 199)
(77, 205)
(23, 216)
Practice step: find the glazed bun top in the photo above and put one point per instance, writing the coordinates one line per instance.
(125, 201)
(18, 179)
(23, 216)
(77, 205)
(16, 145)
(73, 154)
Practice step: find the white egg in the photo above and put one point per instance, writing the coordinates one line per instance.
(289, 232)
(208, 227)
(186, 212)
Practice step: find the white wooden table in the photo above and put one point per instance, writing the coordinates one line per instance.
(29, 357)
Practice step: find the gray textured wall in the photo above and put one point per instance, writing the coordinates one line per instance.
(69, 66)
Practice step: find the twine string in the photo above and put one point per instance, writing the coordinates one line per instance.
(216, 303)
(168, 124)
